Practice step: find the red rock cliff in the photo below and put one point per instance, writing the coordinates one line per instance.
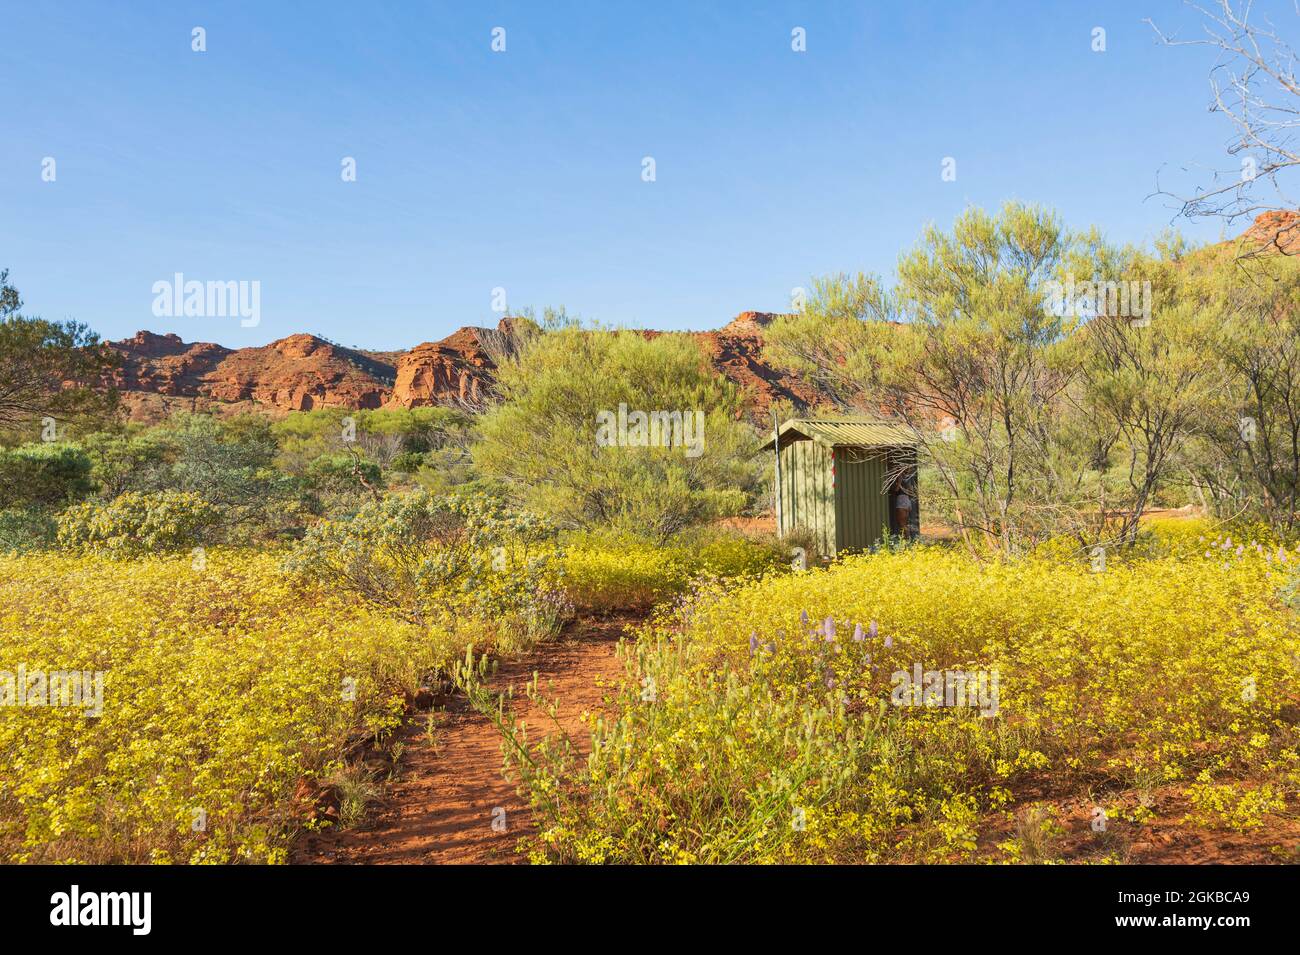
(160, 373)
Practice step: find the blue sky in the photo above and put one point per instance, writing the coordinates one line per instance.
(522, 169)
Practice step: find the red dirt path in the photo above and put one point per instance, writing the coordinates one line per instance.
(439, 810)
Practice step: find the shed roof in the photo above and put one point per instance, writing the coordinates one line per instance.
(841, 432)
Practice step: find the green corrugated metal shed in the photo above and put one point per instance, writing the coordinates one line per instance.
(833, 479)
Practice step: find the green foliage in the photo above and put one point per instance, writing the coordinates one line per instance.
(1245, 458)
(138, 524)
(1045, 404)
(541, 442)
(433, 558)
(340, 483)
(408, 462)
(390, 438)
(230, 465)
(48, 369)
(127, 460)
(24, 530)
(43, 474)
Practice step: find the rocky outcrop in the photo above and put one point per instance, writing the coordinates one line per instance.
(300, 373)
(459, 369)
(165, 365)
(1271, 232)
(736, 350)
(297, 373)
(161, 373)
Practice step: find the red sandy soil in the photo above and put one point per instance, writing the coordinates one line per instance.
(439, 810)
(1168, 837)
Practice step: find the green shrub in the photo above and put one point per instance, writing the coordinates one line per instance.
(43, 474)
(230, 464)
(136, 524)
(438, 558)
(23, 530)
(561, 441)
(132, 460)
(337, 484)
(408, 462)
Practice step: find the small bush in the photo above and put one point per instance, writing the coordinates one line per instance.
(43, 474)
(606, 570)
(136, 524)
(23, 530)
(435, 559)
(408, 462)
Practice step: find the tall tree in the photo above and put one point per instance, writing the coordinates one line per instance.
(966, 352)
(48, 369)
(618, 429)
(1147, 381)
(1247, 456)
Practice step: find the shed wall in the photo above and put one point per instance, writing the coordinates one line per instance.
(861, 504)
(808, 493)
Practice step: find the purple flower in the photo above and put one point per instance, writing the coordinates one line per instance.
(875, 630)
(753, 644)
(828, 628)
(803, 617)
(858, 635)
(889, 641)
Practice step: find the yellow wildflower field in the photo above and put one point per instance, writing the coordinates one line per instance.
(812, 716)
(222, 687)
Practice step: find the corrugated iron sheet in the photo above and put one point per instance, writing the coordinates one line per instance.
(863, 432)
(808, 492)
(861, 500)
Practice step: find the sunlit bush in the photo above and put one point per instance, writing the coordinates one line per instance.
(434, 558)
(609, 571)
(137, 523)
